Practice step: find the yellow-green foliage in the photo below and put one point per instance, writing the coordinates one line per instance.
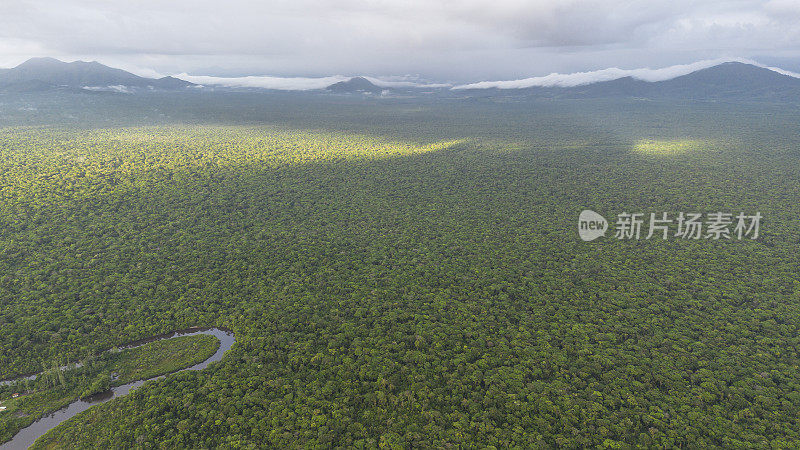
(47, 165)
(668, 147)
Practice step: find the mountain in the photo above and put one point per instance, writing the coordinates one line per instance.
(50, 73)
(733, 80)
(355, 85)
(726, 81)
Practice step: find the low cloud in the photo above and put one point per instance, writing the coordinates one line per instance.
(404, 82)
(264, 82)
(115, 88)
(299, 83)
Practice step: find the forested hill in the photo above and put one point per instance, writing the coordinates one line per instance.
(41, 74)
(730, 82)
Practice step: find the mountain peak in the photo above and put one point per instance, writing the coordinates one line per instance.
(732, 80)
(355, 84)
(44, 61)
(737, 71)
(722, 80)
(51, 72)
(725, 81)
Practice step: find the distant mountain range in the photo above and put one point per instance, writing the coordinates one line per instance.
(41, 74)
(735, 81)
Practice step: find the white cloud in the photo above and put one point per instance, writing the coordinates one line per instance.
(403, 82)
(613, 73)
(115, 88)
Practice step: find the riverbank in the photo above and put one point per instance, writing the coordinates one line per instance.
(121, 369)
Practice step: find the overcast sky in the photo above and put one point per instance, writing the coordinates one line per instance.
(456, 41)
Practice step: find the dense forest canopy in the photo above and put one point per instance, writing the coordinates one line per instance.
(409, 274)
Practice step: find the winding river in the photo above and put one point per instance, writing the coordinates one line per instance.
(28, 435)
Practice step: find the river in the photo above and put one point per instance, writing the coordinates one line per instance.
(26, 436)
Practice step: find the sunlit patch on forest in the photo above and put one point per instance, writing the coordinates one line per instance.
(670, 147)
(272, 146)
(133, 149)
(59, 165)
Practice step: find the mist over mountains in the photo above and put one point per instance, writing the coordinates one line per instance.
(733, 80)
